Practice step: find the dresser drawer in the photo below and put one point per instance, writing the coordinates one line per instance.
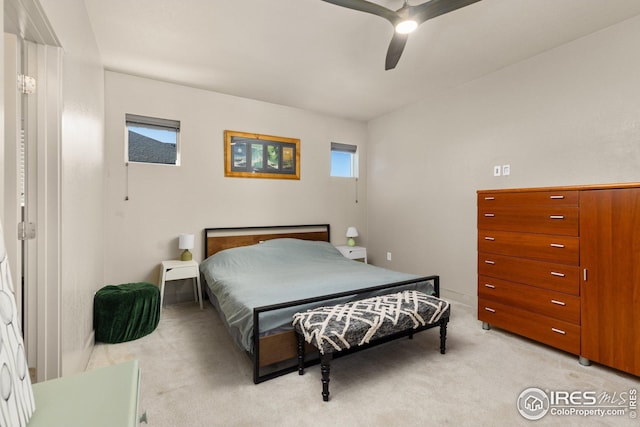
(556, 277)
(561, 220)
(527, 198)
(548, 303)
(353, 252)
(562, 335)
(544, 247)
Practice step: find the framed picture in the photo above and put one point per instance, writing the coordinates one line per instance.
(251, 155)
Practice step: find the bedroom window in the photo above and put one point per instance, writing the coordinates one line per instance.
(152, 140)
(344, 160)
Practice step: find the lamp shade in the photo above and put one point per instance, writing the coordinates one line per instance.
(186, 241)
(351, 233)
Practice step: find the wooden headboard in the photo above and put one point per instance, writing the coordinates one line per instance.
(218, 239)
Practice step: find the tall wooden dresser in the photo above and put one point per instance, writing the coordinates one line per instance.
(561, 265)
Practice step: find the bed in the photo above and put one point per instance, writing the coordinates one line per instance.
(258, 277)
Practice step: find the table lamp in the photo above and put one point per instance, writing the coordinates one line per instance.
(351, 233)
(186, 242)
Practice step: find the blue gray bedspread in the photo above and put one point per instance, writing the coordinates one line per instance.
(283, 270)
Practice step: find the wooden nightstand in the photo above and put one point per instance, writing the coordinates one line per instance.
(175, 270)
(354, 252)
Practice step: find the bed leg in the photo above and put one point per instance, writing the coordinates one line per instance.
(443, 334)
(325, 362)
(300, 342)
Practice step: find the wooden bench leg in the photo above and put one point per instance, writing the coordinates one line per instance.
(325, 362)
(300, 342)
(443, 334)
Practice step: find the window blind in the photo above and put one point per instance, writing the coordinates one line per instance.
(345, 148)
(135, 120)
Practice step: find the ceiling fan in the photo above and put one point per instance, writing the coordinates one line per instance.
(405, 20)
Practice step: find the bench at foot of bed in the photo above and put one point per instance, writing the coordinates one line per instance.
(336, 328)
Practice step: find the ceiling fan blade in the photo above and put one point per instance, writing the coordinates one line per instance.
(368, 7)
(433, 8)
(395, 50)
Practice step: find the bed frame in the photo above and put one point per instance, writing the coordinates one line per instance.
(276, 354)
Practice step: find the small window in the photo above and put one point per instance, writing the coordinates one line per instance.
(152, 140)
(344, 160)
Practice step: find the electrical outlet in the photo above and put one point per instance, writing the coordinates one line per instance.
(388, 256)
(506, 170)
(497, 170)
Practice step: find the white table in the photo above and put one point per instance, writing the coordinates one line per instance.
(176, 270)
(354, 252)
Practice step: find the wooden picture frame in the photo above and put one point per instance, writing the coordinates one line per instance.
(251, 155)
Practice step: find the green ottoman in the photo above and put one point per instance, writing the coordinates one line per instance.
(126, 312)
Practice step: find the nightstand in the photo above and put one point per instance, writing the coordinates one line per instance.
(175, 270)
(354, 252)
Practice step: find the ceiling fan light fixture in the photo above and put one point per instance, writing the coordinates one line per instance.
(404, 20)
(407, 26)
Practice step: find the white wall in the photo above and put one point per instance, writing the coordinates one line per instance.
(165, 201)
(568, 116)
(2, 147)
(81, 181)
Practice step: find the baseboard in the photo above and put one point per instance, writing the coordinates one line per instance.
(178, 291)
(459, 297)
(88, 349)
(77, 361)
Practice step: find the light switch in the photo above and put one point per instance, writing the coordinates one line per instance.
(506, 170)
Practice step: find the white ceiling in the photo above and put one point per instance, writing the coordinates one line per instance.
(317, 56)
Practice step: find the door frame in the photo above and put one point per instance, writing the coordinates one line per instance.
(42, 274)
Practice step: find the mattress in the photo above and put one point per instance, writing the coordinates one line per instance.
(283, 270)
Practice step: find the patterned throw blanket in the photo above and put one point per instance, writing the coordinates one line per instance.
(338, 327)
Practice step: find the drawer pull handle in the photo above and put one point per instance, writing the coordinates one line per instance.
(554, 273)
(558, 302)
(557, 245)
(490, 310)
(558, 331)
(486, 261)
(489, 286)
(556, 216)
(556, 197)
(489, 215)
(490, 238)
(489, 198)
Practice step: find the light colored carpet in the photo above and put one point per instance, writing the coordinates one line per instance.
(193, 375)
